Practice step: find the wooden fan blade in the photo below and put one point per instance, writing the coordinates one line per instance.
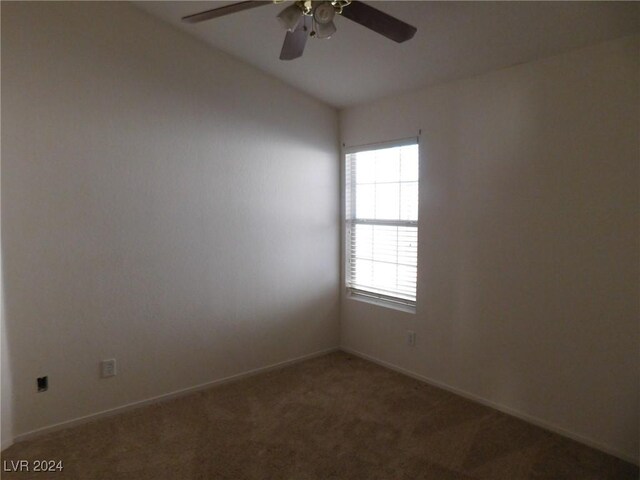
(379, 22)
(294, 42)
(222, 11)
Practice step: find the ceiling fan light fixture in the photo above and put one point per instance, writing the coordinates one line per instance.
(323, 13)
(325, 30)
(314, 18)
(290, 17)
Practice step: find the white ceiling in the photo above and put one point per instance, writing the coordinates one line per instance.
(454, 40)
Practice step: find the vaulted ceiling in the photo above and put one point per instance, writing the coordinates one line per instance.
(454, 40)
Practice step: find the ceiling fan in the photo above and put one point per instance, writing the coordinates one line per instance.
(306, 18)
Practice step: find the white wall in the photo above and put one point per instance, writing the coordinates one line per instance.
(528, 257)
(164, 205)
(6, 384)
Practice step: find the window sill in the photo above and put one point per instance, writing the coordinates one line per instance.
(380, 302)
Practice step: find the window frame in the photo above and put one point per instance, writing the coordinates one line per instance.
(349, 219)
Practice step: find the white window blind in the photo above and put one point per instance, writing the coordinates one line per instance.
(382, 222)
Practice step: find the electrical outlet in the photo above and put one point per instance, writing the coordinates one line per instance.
(108, 367)
(411, 338)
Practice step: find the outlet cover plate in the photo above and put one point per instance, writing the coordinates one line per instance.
(108, 368)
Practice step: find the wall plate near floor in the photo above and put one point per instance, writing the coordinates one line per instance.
(108, 368)
(411, 338)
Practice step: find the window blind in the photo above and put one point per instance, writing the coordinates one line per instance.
(382, 222)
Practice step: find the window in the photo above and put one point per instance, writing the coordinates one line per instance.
(382, 222)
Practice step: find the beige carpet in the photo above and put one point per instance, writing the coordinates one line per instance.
(334, 417)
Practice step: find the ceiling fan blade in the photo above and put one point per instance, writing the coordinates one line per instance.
(295, 41)
(222, 11)
(378, 21)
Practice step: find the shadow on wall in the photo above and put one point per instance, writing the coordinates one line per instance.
(546, 259)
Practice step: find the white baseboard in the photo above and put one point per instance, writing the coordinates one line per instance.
(164, 397)
(496, 406)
